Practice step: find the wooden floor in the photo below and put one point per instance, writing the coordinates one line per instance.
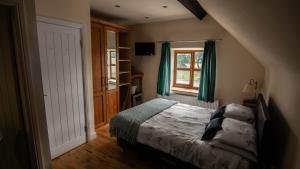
(103, 153)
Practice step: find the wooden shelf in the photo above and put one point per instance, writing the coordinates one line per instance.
(125, 67)
(137, 94)
(124, 72)
(124, 84)
(136, 75)
(123, 47)
(124, 55)
(124, 60)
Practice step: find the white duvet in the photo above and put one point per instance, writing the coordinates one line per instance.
(178, 131)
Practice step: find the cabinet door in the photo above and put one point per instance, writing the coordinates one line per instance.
(98, 60)
(111, 54)
(112, 104)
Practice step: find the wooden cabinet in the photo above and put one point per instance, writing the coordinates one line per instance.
(111, 69)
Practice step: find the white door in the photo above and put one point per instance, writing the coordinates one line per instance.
(61, 64)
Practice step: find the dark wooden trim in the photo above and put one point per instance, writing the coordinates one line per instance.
(30, 80)
(195, 7)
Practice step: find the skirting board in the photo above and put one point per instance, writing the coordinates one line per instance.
(92, 136)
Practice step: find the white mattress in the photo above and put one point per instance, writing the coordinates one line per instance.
(178, 130)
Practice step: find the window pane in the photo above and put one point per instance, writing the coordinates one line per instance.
(113, 72)
(198, 60)
(197, 75)
(183, 60)
(182, 77)
(113, 57)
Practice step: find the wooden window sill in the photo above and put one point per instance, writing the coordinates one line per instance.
(191, 92)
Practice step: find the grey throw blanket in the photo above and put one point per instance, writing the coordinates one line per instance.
(126, 124)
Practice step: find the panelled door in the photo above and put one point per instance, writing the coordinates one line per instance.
(61, 63)
(98, 75)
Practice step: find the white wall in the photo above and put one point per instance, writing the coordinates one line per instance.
(235, 65)
(270, 30)
(75, 11)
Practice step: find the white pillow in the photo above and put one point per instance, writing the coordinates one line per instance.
(245, 154)
(238, 134)
(239, 112)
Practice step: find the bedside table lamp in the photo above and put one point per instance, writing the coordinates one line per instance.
(250, 87)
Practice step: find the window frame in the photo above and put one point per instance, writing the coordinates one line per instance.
(192, 69)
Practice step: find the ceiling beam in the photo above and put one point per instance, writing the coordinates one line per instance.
(194, 7)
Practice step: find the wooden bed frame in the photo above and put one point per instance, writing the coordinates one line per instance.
(262, 126)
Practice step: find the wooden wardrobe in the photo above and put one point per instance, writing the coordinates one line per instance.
(111, 51)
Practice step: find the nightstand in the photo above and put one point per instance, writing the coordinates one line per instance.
(251, 103)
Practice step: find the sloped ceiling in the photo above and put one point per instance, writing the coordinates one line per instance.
(270, 30)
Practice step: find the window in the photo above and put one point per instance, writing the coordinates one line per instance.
(111, 63)
(187, 68)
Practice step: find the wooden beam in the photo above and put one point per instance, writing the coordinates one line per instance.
(194, 7)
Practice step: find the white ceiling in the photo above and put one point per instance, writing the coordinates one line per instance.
(135, 11)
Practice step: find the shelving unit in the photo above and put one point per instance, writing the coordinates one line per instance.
(124, 48)
(137, 80)
(124, 72)
(124, 60)
(123, 84)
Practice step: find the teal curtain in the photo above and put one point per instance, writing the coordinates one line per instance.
(208, 74)
(164, 74)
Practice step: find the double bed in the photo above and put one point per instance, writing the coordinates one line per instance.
(174, 135)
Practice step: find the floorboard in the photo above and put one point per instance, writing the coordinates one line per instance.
(104, 153)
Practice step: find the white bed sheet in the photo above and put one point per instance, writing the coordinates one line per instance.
(178, 130)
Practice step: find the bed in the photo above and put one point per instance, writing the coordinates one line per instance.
(174, 136)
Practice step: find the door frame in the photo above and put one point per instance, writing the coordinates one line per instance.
(30, 80)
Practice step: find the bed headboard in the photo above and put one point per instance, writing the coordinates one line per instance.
(263, 127)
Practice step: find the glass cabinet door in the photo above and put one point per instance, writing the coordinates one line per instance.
(111, 59)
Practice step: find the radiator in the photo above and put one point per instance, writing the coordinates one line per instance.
(191, 100)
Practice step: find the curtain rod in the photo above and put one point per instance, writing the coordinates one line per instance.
(190, 41)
